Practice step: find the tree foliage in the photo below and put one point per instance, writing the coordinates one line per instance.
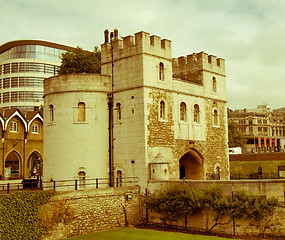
(180, 200)
(81, 61)
(236, 138)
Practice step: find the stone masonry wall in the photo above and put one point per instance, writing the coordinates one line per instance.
(98, 210)
(213, 149)
(216, 147)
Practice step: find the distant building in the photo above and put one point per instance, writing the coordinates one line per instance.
(169, 116)
(24, 64)
(264, 129)
(21, 145)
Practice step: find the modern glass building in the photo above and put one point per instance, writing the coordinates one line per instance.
(24, 64)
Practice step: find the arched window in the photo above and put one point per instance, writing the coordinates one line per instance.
(162, 110)
(216, 120)
(81, 112)
(214, 84)
(51, 113)
(250, 121)
(81, 176)
(161, 71)
(119, 179)
(183, 111)
(119, 111)
(196, 113)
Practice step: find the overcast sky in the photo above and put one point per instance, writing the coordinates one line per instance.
(248, 34)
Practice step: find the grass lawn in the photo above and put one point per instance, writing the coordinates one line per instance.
(142, 234)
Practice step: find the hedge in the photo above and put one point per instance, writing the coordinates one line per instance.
(19, 214)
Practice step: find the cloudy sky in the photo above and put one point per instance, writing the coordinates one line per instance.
(249, 34)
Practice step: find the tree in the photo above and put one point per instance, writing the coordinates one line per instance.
(236, 138)
(181, 200)
(176, 200)
(81, 61)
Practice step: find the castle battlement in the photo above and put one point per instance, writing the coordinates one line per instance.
(128, 46)
(199, 61)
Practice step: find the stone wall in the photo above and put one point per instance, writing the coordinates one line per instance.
(205, 219)
(98, 210)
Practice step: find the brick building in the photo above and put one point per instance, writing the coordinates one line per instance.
(22, 143)
(263, 129)
(147, 115)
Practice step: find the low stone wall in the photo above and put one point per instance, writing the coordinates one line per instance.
(98, 210)
(268, 188)
(204, 219)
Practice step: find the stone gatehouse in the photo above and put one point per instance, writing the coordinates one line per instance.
(147, 115)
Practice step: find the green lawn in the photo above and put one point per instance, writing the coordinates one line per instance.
(142, 234)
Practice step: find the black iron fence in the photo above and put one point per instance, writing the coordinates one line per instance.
(76, 184)
(256, 176)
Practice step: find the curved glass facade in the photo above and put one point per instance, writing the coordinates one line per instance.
(33, 52)
(23, 68)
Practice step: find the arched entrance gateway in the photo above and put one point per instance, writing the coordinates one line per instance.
(13, 166)
(191, 165)
(35, 165)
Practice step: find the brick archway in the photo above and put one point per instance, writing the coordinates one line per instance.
(13, 166)
(191, 165)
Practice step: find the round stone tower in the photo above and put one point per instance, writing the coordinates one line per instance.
(76, 127)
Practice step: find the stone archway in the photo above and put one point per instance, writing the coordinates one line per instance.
(191, 165)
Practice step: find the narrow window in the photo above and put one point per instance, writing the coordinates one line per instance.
(214, 84)
(161, 71)
(162, 110)
(216, 118)
(81, 176)
(35, 128)
(51, 113)
(218, 173)
(119, 111)
(81, 112)
(13, 126)
(196, 113)
(183, 111)
(119, 179)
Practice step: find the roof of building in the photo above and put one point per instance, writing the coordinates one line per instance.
(8, 45)
(6, 113)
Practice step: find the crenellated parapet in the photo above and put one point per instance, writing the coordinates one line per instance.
(128, 46)
(190, 68)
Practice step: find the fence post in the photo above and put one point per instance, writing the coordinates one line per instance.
(53, 184)
(96, 182)
(75, 184)
(234, 223)
(8, 187)
(146, 209)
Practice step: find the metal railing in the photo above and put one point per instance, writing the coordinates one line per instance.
(256, 176)
(75, 184)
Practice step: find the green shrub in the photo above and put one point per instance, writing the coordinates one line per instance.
(19, 214)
